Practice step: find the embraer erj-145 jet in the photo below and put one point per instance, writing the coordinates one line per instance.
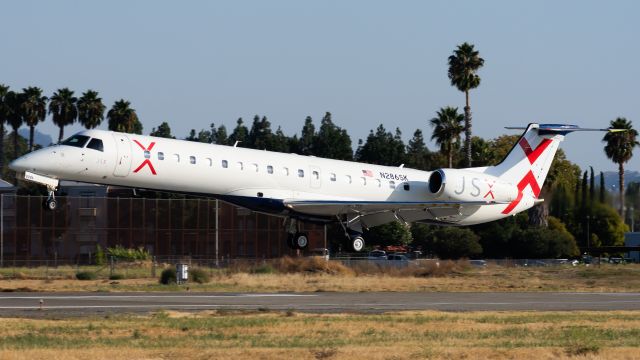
(306, 188)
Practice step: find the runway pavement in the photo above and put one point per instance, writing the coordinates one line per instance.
(81, 304)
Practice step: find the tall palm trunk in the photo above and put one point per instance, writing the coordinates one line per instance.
(450, 155)
(467, 128)
(1, 149)
(61, 135)
(31, 131)
(621, 183)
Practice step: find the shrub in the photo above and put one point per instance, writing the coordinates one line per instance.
(86, 275)
(121, 253)
(101, 257)
(198, 275)
(168, 276)
(116, 277)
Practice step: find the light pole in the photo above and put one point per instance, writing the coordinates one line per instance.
(588, 237)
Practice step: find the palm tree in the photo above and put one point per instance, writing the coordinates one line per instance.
(34, 109)
(619, 149)
(15, 118)
(463, 65)
(5, 111)
(447, 127)
(64, 108)
(90, 109)
(123, 118)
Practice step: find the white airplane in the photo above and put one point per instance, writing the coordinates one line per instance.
(296, 187)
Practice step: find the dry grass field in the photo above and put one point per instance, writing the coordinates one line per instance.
(288, 335)
(309, 275)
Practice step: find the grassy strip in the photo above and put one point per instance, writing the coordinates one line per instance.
(427, 334)
(298, 277)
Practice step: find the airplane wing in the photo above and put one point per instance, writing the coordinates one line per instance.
(383, 211)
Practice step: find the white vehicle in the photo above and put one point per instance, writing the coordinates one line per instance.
(297, 187)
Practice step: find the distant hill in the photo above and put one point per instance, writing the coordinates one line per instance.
(38, 137)
(611, 178)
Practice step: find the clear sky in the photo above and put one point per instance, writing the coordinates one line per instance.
(191, 63)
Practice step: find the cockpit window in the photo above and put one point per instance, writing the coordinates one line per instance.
(76, 140)
(95, 144)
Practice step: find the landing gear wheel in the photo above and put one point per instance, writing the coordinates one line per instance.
(51, 204)
(301, 241)
(357, 243)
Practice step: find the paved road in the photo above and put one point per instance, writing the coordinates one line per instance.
(81, 304)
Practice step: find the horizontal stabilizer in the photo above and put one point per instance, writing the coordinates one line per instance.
(562, 129)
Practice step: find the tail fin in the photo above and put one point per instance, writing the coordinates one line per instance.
(529, 161)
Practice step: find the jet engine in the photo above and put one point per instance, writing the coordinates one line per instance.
(468, 185)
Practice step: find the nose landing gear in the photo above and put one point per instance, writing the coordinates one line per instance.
(50, 203)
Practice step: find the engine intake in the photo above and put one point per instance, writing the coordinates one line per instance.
(468, 185)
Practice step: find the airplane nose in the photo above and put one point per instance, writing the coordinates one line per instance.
(19, 164)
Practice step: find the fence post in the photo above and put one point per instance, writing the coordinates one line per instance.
(154, 264)
(111, 265)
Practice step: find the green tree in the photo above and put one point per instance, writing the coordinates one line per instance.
(163, 131)
(619, 149)
(393, 233)
(90, 109)
(260, 134)
(332, 141)
(122, 118)
(280, 142)
(15, 118)
(34, 109)
(63, 107)
(219, 135)
(454, 243)
(607, 225)
(447, 126)
(463, 67)
(307, 137)
(417, 154)
(382, 148)
(602, 188)
(552, 242)
(240, 134)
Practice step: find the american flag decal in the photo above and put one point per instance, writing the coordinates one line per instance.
(368, 173)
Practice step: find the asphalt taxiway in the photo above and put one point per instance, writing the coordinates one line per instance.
(82, 304)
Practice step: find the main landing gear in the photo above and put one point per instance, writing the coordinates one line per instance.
(296, 239)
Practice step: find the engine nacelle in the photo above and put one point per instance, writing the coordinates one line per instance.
(468, 185)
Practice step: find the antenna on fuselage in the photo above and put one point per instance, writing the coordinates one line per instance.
(401, 166)
(237, 142)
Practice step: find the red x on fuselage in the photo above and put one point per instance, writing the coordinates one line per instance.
(146, 161)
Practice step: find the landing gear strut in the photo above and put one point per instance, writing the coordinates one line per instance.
(353, 231)
(50, 203)
(296, 239)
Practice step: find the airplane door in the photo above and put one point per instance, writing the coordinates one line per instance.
(123, 161)
(316, 177)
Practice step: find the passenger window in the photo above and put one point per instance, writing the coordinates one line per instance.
(255, 167)
(348, 179)
(147, 154)
(363, 181)
(270, 169)
(332, 177)
(406, 186)
(285, 171)
(316, 175)
(176, 157)
(379, 182)
(239, 165)
(209, 161)
(392, 184)
(192, 159)
(225, 164)
(95, 144)
(160, 156)
(300, 173)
